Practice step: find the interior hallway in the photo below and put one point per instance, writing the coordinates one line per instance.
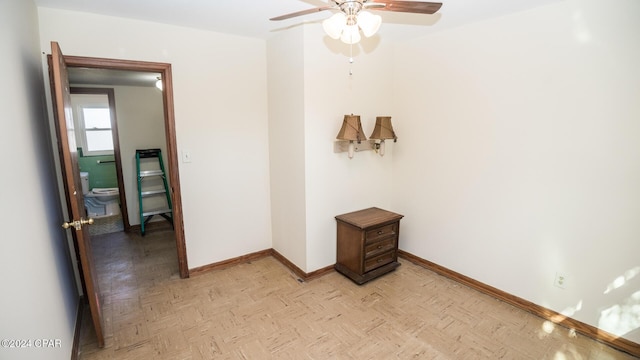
(260, 310)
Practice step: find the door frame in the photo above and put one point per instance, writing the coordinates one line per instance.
(170, 133)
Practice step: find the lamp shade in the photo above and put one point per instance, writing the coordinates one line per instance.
(351, 129)
(383, 129)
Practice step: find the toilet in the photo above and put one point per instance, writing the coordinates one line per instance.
(99, 202)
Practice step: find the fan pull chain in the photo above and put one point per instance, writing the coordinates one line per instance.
(351, 75)
(351, 59)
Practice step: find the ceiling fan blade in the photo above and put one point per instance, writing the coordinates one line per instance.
(303, 12)
(420, 7)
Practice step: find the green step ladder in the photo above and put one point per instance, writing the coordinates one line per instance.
(148, 157)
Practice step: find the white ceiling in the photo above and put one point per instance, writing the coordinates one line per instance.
(251, 17)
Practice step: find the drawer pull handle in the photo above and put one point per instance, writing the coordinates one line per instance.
(379, 246)
(380, 232)
(379, 260)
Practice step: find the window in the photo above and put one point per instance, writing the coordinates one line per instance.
(97, 129)
(93, 123)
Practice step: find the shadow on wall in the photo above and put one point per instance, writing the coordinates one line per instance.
(624, 318)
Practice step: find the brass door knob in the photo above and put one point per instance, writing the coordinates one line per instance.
(77, 224)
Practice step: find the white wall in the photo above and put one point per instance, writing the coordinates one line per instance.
(336, 184)
(309, 93)
(520, 156)
(221, 118)
(39, 294)
(285, 54)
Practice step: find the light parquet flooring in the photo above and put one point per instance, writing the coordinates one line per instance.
(260, 310)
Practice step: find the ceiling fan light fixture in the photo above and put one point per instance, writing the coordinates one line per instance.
(334, 25)
(350, 34)
(351, 15)
(369, 23)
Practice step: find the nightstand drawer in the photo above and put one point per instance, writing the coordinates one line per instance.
(381, 232)
(370, 264)
(373, 249)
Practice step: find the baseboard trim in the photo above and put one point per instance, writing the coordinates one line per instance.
(259, 255)
(230, 262)
(621, 344)
(75, 347)
(299, 272)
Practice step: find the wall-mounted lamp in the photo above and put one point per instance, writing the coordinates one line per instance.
(159, 83)
(382, 131)
(351, 138)
(351, 131)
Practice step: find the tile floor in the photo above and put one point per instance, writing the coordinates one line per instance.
(260, 310)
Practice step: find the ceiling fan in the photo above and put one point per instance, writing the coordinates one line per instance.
(353, 16)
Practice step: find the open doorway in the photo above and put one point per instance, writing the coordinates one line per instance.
(113, 70)
(99, 156)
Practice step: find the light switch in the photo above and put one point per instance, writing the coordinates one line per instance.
(186, 156)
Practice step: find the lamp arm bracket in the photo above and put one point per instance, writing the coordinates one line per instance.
(364, 145)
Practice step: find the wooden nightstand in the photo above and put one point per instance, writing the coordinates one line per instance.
(367, 243)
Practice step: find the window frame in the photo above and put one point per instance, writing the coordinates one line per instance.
(84, 141)
(107, 102)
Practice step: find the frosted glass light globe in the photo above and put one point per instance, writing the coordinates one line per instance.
(369, 23)
(350, 34)
(334, 25)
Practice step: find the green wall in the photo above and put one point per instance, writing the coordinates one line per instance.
(100, 175)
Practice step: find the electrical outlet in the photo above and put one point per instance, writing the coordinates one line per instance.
(561, 280)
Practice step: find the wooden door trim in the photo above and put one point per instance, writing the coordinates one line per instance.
(170, 132)
(116, 145)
